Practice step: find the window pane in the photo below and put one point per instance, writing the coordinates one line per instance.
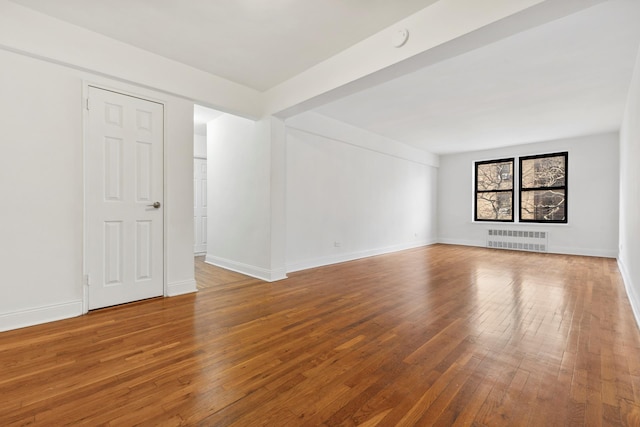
(543, 172)
(494, 206)
(494, 176)
(544, 205)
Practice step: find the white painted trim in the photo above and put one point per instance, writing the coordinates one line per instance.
(552, 249)
(633, 297)
(461, 242)
(602, 253)
(249, 270)
(181, 288)
(548, 226)
(278, 274)
(36, 316)
(85, 139)
(350, 256)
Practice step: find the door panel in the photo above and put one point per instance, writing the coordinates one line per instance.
(124, 178)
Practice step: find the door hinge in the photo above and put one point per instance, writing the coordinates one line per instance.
(87, 104)
(87, 279)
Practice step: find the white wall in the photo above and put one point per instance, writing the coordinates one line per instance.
(369, 194)
(629, 254)
(178, 188)
(239, 176)
(592, 227)
(41, 188)
(41, 182)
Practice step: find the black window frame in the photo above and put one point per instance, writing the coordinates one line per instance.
(522, 190)
(476, 191)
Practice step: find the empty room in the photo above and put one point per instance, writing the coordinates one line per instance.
(320, 213)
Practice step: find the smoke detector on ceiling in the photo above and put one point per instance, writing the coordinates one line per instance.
(400, 37)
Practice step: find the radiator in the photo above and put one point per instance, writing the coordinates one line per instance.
(521, 240)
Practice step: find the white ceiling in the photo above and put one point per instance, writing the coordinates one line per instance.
(257, 43)
(565, 78)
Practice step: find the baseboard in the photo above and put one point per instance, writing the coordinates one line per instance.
(461, 242)
(180, 288)
(246, 269)
(630, 288)
(39, 315)
(350, 256)
(583, 252)
(552, 249)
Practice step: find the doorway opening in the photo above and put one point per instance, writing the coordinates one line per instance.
(201, 116)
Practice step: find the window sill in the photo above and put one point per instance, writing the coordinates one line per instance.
(520, 224)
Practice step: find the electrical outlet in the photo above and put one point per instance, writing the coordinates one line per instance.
(337, 244)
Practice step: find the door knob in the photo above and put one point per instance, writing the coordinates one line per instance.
(155, 205)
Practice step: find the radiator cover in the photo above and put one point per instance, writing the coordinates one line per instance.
(520, 240)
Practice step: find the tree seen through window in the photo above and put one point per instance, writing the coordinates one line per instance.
(494, 190)
(543, 188)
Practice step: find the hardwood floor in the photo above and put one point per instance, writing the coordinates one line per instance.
(443, 335)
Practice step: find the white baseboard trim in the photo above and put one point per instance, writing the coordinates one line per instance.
(461, 242)
(350, 256)
(552, 249)
(180, 288)
(584, 252)
(246, 269)
(39, 315)
(631, 293)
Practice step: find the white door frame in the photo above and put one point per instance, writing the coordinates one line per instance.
(85, 140)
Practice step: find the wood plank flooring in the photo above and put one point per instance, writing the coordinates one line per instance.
(442, 335)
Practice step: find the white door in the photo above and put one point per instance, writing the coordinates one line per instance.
(200, 206)
(124, 198)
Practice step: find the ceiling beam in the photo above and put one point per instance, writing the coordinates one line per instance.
(34, 34)
(442, 30)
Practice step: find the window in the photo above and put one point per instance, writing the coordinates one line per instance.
(543, 188)
(494, 190)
